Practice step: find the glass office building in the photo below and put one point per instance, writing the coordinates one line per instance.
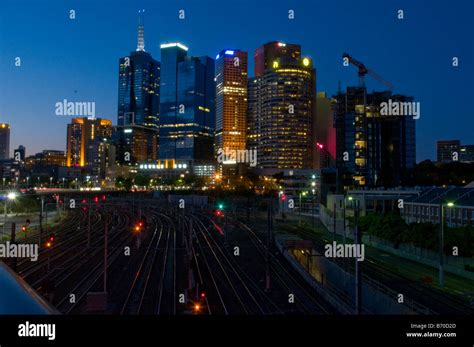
(187, 114)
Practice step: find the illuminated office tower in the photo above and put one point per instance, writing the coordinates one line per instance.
(231, 100)
(139, 86)
(4, 141)
(187, 114)
(84, 136)
(281, 108)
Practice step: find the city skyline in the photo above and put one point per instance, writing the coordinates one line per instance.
(71, 76)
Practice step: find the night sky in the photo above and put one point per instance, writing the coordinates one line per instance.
(78, 59)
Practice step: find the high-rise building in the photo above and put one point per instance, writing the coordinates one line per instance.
(139, 86)
(324, 132)
(231, 100)
(446, 150)
(373, 149)
(4, 141)
(83, 138)
(187, 113)
(266, 55)
(281, 108)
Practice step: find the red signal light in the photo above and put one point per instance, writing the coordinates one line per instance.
(203, 295)
(52, 237)
(283, 197)
(23, 228)
(104, 197)
(96, 199)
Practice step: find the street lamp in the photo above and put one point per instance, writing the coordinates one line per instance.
(441, 243)
(9, 196)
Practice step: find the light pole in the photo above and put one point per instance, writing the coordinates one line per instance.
(441, 243)
(358, 272)
(9, 196)
(50, 181)
(350, 198)
(28, 182)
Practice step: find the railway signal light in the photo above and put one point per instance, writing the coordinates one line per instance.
(23, 228)
(139, 226)
(50, 242)
(219, 213)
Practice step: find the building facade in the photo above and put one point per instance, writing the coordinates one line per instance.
(138, 105)
(84, 136)
(426, 207)
(372, 149)
(4, 141)
(281, 108)
(231, 101)
(139, 87)
(135, 144)
(446, 149)
(187, 112)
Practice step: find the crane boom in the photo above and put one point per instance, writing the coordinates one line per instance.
(363, 70)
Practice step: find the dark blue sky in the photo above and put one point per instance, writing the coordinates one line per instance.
(77, 59)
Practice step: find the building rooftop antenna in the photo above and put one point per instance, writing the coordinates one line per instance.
(141, 31)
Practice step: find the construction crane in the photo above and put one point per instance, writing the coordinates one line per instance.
(363, 70)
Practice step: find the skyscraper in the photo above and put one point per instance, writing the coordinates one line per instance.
(231, 100)
(324, 131)
(84, 136)
(138, 104)
(4, 141)
(187, 114)
(372, 149)
(266, 54)
(139, 86)
(281, 108)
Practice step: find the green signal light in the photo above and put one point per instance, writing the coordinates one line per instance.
(221, 206)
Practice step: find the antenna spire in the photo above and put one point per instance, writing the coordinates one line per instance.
(141, 31)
